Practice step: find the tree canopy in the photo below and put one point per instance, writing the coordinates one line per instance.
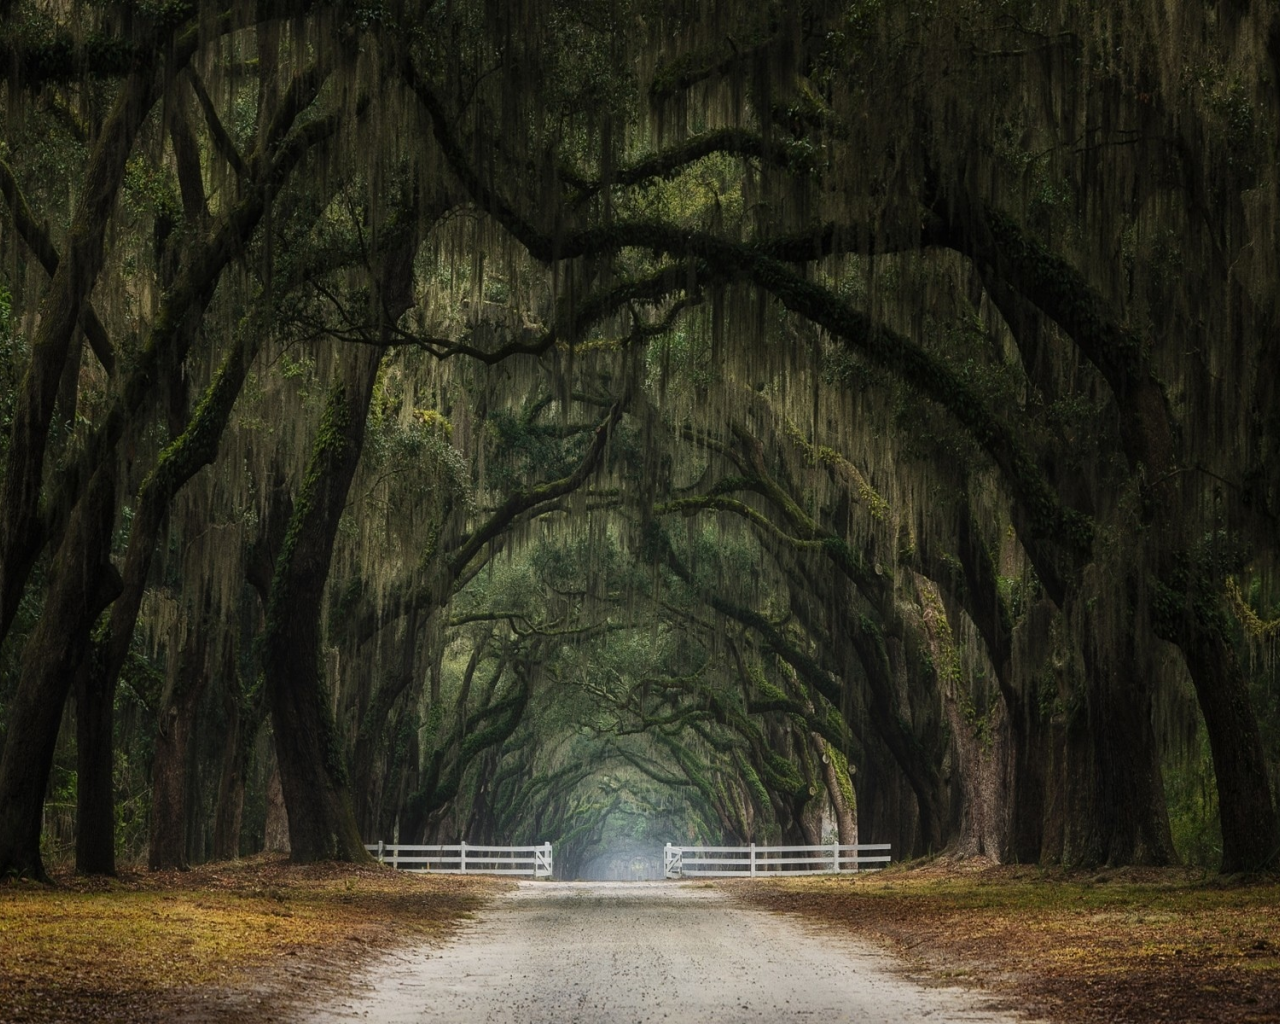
(629, 421)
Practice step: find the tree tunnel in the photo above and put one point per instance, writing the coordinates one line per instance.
(626, 422)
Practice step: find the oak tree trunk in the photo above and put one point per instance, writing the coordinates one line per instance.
(231, 781)
(95, 783)
(83, 584)
(170, 774)
(1116, 810)
(1245, 807)
(846, 815)
(322, 823)
(275, 834)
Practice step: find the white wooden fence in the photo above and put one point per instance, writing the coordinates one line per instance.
(534, 861)
(728, 861)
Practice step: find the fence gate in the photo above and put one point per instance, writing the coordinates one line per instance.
(530, 861)
(749, 861)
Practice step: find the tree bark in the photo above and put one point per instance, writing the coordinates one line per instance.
(195, 448)
(83, 585)
(371, 737)
(846, 815)
(1116, 809)
(322, 823)
(241, 732)
(20, 522)
(95, 782)
(1246, 809)
(275, 832)
(188, 674)
(1148, 440)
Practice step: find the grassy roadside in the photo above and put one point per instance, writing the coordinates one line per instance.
(1136, 946)
(222, 940)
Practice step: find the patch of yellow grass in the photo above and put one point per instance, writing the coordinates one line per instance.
(1117, 944)
(149, 934)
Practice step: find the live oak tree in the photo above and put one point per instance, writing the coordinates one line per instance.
(733, 414)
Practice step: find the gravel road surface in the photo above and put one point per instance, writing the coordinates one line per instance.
(632, 952)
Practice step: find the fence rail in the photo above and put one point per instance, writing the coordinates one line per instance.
(532, 861)
(736, 861)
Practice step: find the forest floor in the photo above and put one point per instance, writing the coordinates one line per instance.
(1126, 945)
(252, 939)
(235, 940)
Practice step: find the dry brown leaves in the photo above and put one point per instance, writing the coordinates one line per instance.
(221, 942)
(1122, 946)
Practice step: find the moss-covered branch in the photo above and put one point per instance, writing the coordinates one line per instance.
(904, 358)
(175, 324)
(41, 245)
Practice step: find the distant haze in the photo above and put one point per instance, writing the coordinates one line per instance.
(624, 864)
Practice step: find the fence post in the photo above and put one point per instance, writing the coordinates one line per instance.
(835, 850)
(380, 849)
(462, 849)
(395, 856)
(753, 860)
(550, 864)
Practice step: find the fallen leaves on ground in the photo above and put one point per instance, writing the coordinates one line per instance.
(219, 942)
(1124, 946)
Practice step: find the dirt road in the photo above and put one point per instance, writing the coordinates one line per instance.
(633, 952)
